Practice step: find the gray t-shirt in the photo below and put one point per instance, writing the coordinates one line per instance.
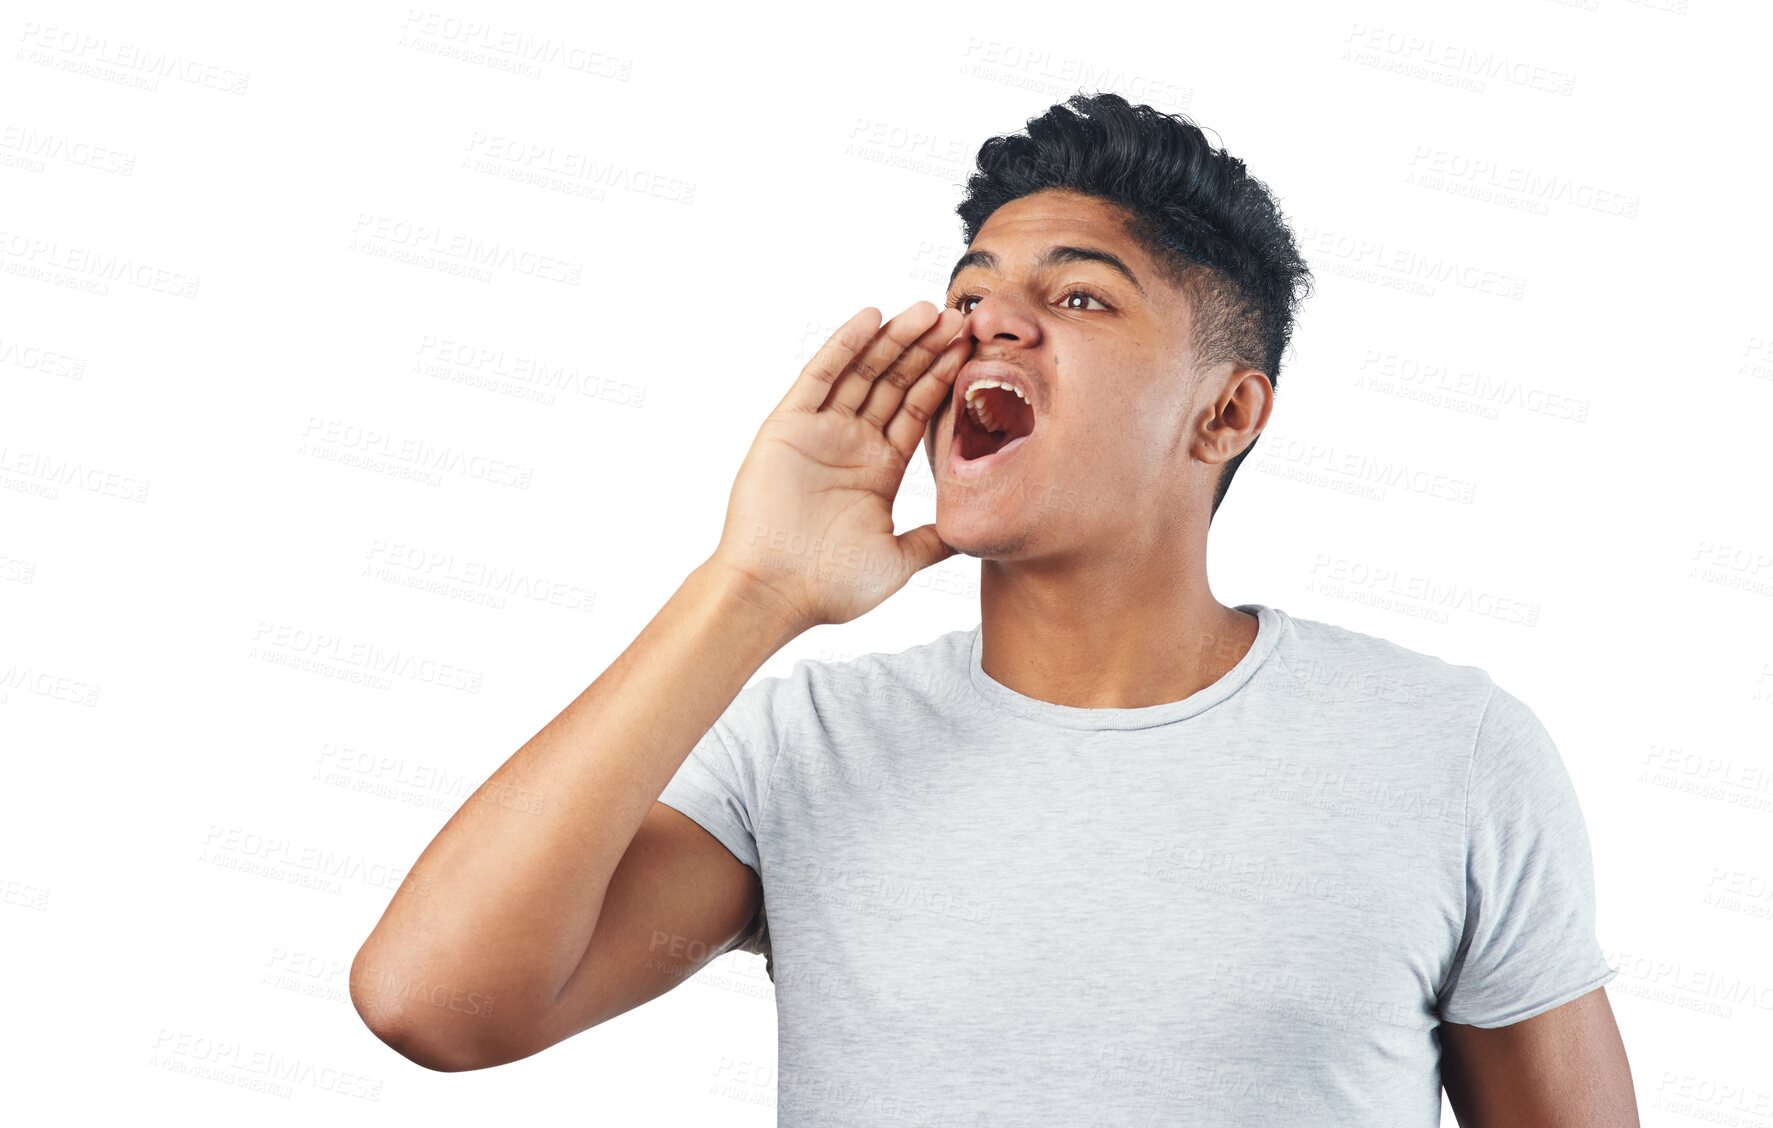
(1253, 906)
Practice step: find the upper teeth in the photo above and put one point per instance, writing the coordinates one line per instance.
(987, 382)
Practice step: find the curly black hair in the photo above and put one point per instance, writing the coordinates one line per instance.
(1215, 230)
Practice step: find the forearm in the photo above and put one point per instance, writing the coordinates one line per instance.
(502, 904)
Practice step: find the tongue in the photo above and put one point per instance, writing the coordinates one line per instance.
(976, 442)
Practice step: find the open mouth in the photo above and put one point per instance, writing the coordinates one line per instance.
(994, 415)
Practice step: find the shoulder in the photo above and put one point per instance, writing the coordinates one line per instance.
(1332, 664)
(824, 688)
(912, 677)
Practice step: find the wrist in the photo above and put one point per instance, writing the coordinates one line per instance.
(758, 608)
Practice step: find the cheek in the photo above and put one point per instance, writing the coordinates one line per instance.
(1113, 419)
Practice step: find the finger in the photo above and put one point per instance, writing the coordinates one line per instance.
(885, 348)
(814, 383)
(926, 397)
(921, 547)
(889, 390)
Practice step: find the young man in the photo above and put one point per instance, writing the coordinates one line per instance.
(1120, 854)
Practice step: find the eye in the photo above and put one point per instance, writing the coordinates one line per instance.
(1080, 292)
(959, 301)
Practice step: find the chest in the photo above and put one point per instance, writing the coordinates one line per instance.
(1103, 887)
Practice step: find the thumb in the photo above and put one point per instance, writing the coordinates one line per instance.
(921, 547)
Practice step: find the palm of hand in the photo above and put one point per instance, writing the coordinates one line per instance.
(810, 515)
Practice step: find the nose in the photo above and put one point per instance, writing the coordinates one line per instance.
(1002, 317)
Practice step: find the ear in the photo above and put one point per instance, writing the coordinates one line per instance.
(1238, 414)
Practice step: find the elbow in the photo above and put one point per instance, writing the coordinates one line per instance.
(434, 1047)
(440, 1042)
(437, 1054)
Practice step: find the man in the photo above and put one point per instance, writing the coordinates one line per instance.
(1120, 854)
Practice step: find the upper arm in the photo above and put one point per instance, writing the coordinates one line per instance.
(1528, 941)
(688, 887)
(1564, 1068)
(677, 899)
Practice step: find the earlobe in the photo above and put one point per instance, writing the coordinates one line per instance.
(1204, 440)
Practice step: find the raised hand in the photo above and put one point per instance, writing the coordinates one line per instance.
(809, 523)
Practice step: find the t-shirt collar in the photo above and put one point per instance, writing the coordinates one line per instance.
(1270, 622)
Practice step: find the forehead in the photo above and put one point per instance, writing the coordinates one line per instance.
(1026, 225)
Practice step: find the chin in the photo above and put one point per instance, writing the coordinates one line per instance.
(982, 535)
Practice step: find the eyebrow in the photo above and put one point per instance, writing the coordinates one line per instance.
(1053, 257)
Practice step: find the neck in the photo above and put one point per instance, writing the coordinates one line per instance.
(1108, 633)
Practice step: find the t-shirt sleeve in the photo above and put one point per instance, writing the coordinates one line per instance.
(1529, 942)
(721, 785)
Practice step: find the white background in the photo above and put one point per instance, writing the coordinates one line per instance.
(258, 433)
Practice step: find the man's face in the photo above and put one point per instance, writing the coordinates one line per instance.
(1105, 362)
